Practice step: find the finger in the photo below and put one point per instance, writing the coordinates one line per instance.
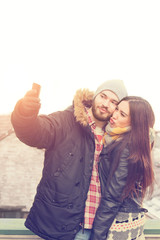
(31, 99)
(31, 93)
(32, 104)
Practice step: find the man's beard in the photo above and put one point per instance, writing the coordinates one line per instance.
(98, 116)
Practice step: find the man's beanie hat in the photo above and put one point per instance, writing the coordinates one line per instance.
(115, 85)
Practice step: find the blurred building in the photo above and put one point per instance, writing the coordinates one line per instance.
(20, 172)
(153, 204)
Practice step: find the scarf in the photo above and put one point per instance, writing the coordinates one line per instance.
(114, 134)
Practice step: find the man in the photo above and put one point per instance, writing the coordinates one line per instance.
(69, 191)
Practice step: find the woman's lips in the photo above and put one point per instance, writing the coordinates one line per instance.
(111, 121)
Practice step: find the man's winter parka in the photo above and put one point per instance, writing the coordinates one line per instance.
(58, 207)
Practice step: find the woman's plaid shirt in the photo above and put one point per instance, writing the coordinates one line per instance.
(94, 193)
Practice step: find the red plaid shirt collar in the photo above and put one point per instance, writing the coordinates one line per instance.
(94, 193)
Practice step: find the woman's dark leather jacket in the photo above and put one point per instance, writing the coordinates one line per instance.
(111, 201)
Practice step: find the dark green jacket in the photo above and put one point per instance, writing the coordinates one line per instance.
(58, 207)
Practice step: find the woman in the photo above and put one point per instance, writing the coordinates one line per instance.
(125, 171)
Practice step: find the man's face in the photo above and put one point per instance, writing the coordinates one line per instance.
(104, 105)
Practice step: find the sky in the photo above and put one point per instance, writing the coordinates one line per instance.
(67, 45)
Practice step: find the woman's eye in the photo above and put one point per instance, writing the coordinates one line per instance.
(122, 115)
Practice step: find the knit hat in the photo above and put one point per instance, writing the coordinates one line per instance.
(115, 85)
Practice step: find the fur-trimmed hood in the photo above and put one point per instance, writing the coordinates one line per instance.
(83, 98)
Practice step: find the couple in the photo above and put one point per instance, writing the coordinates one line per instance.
(97, 166)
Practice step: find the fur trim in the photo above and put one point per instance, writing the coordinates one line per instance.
(82, 98)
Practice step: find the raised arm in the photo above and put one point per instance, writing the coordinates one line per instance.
(41, 131)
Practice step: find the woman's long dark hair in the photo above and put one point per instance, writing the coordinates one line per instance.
(140, 169)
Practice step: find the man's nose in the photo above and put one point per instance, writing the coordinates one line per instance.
(106, 103)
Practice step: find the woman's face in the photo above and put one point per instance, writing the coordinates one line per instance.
(121, 116)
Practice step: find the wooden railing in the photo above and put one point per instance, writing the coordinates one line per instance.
(13, 228)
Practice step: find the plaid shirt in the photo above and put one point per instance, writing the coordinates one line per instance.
(94, 193)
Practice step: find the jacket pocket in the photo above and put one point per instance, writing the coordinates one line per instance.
(53, 197)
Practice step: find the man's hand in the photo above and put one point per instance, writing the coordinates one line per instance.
(30, 104)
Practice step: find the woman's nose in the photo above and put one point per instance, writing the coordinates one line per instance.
(115, 115)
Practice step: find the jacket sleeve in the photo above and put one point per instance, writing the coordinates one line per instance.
(110, 200)
(41, 131)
